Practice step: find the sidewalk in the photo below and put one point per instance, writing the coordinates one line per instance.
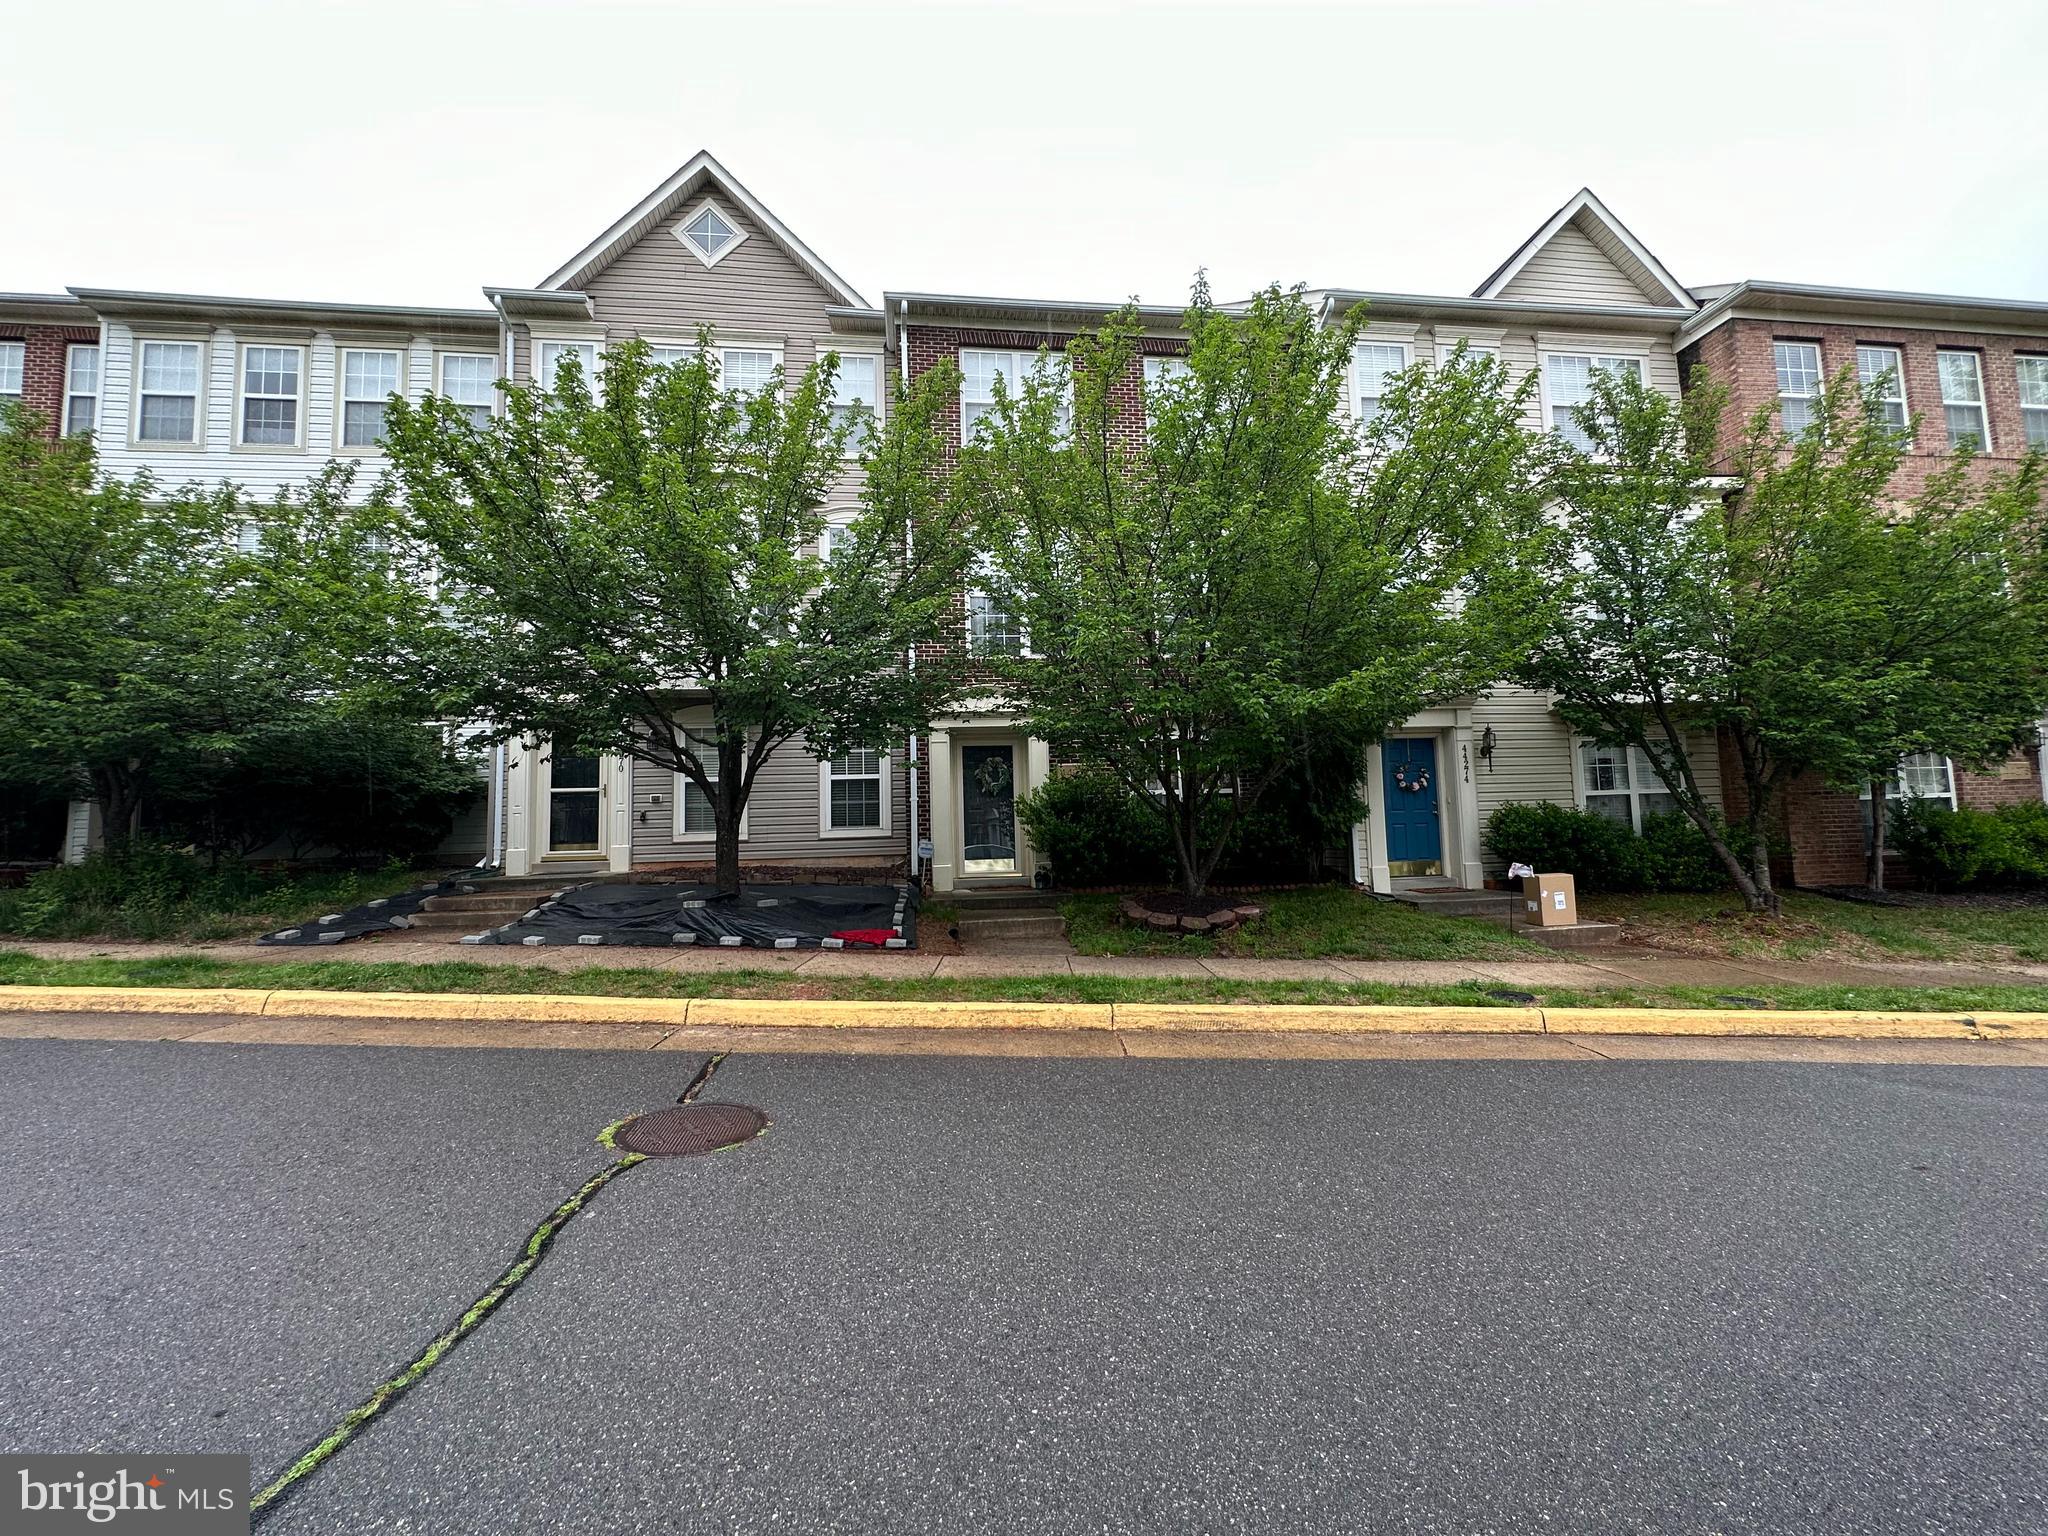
(1619, 967)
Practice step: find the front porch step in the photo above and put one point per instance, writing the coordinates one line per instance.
(1047, 927)
(1573, 935)
(465, 922)
(1454, 901)
(966, 900)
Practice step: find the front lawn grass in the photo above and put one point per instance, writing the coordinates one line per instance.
(1326, 922)
(160, 896)
(201, 971)
(1814, 926)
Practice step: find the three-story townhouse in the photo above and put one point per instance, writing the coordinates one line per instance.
(1950, 372)
(50, 359)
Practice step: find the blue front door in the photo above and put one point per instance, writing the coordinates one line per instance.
(1415, 835)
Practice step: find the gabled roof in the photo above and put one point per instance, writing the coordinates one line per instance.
(1592, 219)
(697, 173)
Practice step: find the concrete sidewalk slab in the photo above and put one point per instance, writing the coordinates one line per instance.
(1036, 963)
(831, 962)
(1228, 969)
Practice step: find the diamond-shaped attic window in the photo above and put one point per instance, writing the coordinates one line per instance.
(709, 234)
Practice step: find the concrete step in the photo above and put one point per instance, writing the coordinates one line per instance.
(464, 922)
(1573, 935)
(979, 902)
(1047, 926)
(496, 901)
(1456, 903)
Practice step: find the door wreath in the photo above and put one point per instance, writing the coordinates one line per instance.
(1410, 778)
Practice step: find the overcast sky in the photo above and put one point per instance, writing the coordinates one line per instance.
(412, 152)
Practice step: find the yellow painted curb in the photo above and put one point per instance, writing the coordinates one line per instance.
(131, 1000)
(1781, 1022)
(2012, 1026)
(781, 1013)
(1267, 1018)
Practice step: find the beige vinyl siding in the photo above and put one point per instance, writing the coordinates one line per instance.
(1532, 757)
(1521, 353)
(782, 815)
(1571, 269)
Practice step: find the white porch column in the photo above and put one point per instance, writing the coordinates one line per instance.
(618, 798)
(1377, 876)
(1037, 769)
(520, 756)
(83, 833)
(945, 828)
(1470, 867)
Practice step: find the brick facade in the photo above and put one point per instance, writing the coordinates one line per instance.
(1821, 831)
(43, 362)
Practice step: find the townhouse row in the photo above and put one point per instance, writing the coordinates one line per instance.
(264, 393)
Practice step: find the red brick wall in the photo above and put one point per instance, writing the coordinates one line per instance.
(1739, 355)
(42, 372)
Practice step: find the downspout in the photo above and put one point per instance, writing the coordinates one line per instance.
(903, 370)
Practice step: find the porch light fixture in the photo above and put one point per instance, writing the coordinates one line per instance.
(1486, 745)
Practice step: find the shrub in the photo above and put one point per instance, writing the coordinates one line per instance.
(1092, 831)
(1953, 849)
(1602, 854)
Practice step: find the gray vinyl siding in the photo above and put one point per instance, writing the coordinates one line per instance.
(782, 815)
(1571, 269)
(1532, 756)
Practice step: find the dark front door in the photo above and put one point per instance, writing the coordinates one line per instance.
(988, 810)
(573, 794)
(1415, 834)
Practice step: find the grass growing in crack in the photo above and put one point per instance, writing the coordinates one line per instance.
(196, 971)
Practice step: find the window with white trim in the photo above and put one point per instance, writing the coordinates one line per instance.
(1372, 364)
(747, 371)
(1161, 370)
(273, 379)
(1920, 776)
(1882, 373)
(980, 368)
(368, 380)
(13, 364)
(167, 391)
(81, 386)
(548, 357)
(854, 793)
(836, 537)
(857, 391)
(710, 233)
(695, 816)
(1798, 383)
(1622, 784)
(2033, 373)
(993, 628)
(469, 382)
(1962, 399)
(1568, 384)
(1446, 350)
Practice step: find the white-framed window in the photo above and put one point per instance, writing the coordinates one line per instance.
(1621, 784)
(857, 392)
(469, 382)
(548, 353)
(696, 819)
(1448, 349)
(1962, 399)
(1798, 383)
(1568, 384)
(1372, 364)
(980, 368)
(2033, 373)
(1155, 371)
(837, 534)
(746, 371)
(710, 233)
(993, 628)
(1920, 776)
(273, 386)
(853, 795)
(81, 386)
(13, 365)
(169, 378)
(1882, 373)
(369, 377)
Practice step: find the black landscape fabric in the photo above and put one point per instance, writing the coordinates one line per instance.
(759, 917)
(380, 916)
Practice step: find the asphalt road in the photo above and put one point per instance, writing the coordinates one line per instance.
(974, 1295)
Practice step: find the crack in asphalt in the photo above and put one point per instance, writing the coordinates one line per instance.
(524, 1263)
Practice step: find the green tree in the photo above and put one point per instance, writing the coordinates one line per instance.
(1771, 604)
(143, 635)
(612, 557)
(1204, 588)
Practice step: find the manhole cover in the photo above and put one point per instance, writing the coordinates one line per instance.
(690, 1129)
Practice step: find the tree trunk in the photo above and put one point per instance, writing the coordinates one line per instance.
(1874, 871)
(119, 795)
(728, 808)
(1760, 870)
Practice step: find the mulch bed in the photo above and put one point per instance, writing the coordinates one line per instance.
(1177, 912)
(1968, 901)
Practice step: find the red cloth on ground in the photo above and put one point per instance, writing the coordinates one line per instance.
(867, 935)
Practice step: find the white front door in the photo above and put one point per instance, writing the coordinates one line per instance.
(573, 798)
